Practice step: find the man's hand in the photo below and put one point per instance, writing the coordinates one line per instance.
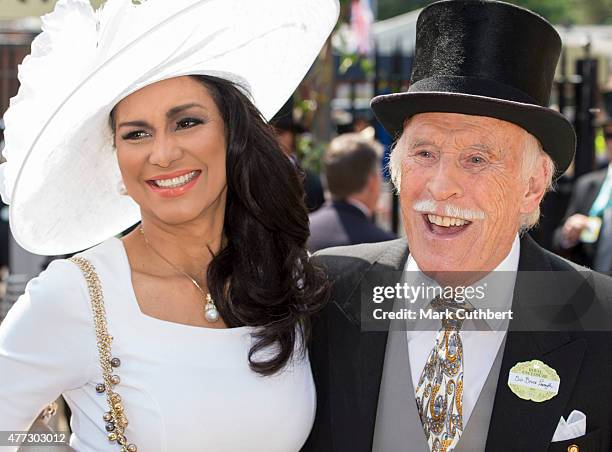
(572, 229)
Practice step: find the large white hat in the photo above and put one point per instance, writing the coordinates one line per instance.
(61, 174)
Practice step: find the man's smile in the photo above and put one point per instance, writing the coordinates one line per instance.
(447, 227)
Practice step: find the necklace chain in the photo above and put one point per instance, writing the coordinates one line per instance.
(170, 263)
(210, 309)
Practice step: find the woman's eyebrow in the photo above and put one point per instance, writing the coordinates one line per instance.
(179, 108)
(169, 114)
(133, 124)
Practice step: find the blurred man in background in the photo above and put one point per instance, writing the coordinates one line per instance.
(585, 235)
(352, 170)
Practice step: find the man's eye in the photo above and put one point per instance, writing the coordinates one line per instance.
(187, 123)
(134, 135)
(477, 160)
(425, 154)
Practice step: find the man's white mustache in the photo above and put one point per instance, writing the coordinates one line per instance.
(447, 209)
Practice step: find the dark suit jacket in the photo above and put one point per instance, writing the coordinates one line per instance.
(584, 193)
(347, 363)
(339, 223)
(313, 190)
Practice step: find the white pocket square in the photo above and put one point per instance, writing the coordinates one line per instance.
(574, 427)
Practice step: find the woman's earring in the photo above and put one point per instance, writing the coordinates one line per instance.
(121, 188)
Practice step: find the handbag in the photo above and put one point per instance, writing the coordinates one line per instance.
(115, 419)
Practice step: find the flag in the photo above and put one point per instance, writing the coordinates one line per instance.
(361, 24)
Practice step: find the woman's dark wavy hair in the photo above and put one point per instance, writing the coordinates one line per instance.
(262, 276)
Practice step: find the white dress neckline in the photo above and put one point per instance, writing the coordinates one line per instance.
(133, 301)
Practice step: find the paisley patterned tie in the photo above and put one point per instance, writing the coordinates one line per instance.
(439, 392)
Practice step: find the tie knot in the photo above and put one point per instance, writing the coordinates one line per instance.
(453, 312)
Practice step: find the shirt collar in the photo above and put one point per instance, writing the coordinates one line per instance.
(504, 284)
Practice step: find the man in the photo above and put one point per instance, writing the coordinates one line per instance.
(476, 152)
(352, 170)
(590, 210)
(287, 129)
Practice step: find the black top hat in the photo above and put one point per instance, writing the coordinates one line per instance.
(484, 58)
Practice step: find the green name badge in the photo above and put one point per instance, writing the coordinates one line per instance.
(534, 380)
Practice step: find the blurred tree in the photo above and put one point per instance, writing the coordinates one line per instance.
(391, 8)
(596, 11)
(556, 11)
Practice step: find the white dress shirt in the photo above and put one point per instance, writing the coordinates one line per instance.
(480, 347)
(184, 388)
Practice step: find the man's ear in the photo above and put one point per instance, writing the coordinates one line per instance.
(536, 187)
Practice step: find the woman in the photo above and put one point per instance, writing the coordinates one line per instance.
(208, 300)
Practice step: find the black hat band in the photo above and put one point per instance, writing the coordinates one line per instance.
(471, 85)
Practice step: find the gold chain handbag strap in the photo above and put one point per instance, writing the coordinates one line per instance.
(115, 419)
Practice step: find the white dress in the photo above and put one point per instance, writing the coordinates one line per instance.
(184, 388)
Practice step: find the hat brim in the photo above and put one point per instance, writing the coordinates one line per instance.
(551, 128)
(62, 174)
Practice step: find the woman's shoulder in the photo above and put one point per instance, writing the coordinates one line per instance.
(58, 296)
(110, 252)
(63, 281)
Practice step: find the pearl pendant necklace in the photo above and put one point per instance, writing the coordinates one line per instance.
(210, 310)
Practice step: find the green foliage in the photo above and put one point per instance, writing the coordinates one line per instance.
(391, 8)
(555, 11)
(347, 60)
(596, 11)
(310, 153)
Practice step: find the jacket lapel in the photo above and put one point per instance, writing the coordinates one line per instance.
(531, 425)
(373, 344)
(372, 356)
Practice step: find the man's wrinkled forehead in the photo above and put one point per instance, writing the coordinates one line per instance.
(460, 129)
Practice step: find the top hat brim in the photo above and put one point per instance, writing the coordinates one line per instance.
(550, 127)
